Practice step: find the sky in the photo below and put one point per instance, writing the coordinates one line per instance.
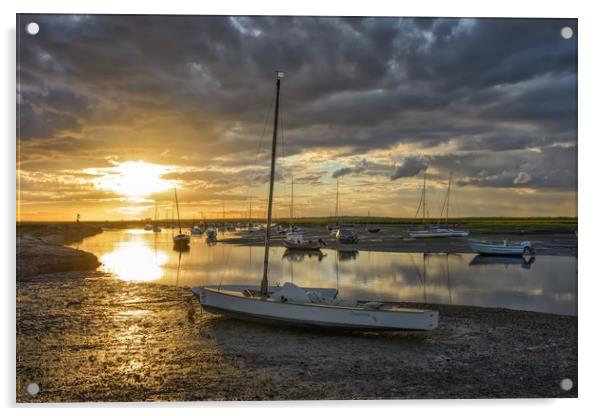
(114, 112)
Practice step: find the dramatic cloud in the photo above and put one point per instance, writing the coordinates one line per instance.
(493, 100)
(411, 166)
(348, 170)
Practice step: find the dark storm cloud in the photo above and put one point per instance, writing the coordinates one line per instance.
(361, 167)
(411, 166)
(497, 85)
(552, 167)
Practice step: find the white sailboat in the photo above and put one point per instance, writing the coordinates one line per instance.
(310, 307)
(294, 239)
(438, 230)
(180, 240)
(501, 248)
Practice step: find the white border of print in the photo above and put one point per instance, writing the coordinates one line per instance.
(589, 185)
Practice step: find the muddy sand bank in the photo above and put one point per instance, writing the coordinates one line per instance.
(87, 336)
(40, 249)
(395, 239)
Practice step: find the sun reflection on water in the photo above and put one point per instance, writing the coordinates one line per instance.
(135, 261)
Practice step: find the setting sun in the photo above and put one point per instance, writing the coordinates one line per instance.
(134, 179)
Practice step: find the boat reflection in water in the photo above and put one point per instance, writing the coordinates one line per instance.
(547, 285)
(181, 248)
(485, 260)
(346, 255)
(300, 255)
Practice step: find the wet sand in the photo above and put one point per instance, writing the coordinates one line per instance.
(87, 336)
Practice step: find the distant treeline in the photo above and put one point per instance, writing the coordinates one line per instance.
(477, 222)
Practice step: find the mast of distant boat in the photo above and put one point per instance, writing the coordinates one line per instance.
(336, 207)
(178, 210)
(448, 195)
(250, 202)
(264, 281)
(291, 211)
(424, 198)
(446, 202)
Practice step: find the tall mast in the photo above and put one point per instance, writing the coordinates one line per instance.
(336, 207)
(424, 198)
(447, 206)
(291, 213)
(250, 201)
(178, 209)
(266, 256)
(155, 211)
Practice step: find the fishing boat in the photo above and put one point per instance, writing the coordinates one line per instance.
(292, 305)
(439, 230)
(501, 248)
(180, 240)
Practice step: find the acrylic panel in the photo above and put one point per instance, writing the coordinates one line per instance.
(295, 208)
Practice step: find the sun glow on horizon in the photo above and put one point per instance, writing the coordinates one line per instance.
(133, 179)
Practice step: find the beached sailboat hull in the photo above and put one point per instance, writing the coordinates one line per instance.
(309, 315)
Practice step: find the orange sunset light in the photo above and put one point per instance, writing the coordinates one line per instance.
(133, 179)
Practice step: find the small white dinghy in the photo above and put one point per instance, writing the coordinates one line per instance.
(501, 248)
(310, 307)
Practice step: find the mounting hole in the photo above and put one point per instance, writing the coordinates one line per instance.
(32, 28)
(33, 389)
(566, 384)
(566, 32)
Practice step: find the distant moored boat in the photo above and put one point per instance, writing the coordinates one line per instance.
(437, 231)
(502, 248)
(180, 240)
